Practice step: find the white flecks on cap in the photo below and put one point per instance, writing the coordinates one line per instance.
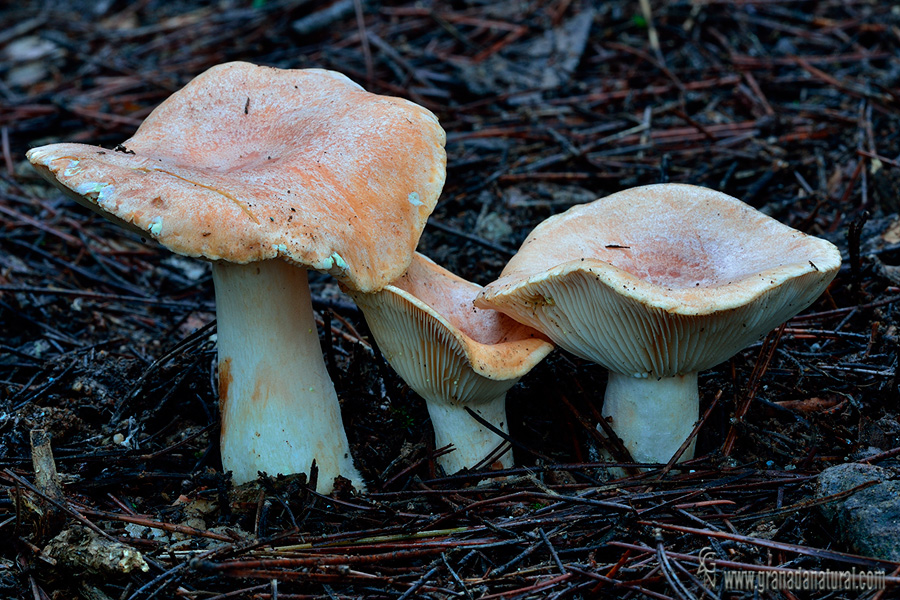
(72, 169)
(105, 194)
(155, 226)
(90, 187)
(339, 262)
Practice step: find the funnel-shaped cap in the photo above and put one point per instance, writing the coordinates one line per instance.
(661, 280)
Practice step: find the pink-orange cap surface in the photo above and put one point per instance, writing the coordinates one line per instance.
(249, 163)
(661, 280)
(431, 306)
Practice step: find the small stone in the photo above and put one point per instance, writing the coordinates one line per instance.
(869, 519)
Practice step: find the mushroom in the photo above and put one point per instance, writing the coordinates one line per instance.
(267, 172)
(657, 283)
(453, 355)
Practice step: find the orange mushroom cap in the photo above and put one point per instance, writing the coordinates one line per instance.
(661, 280)
(453, 355)
(248, 163)
(426, 320)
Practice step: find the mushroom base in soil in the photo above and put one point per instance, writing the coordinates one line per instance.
(471, 441)
(654, 416)
(279, 408)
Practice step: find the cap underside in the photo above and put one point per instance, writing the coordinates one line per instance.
(440, 344)
(661, 280)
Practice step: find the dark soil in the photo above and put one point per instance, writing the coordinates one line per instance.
(105, 340)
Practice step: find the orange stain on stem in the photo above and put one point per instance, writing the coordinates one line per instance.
(225, 379)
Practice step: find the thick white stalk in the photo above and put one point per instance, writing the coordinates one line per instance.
(472, 440)
(652, 416)
(278, 404)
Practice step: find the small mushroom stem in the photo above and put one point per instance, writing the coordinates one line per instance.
(279, 408)
(472, 441)
(652, 416)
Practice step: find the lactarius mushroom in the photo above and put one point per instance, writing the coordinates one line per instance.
(453, 355)
(266, 173)
(657, 283)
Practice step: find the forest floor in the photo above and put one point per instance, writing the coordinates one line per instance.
(107, 341)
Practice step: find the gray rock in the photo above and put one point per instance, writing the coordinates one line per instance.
(867, 520)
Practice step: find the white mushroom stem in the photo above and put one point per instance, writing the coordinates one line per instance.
(279, 408)
(652, 416)
(472, 441)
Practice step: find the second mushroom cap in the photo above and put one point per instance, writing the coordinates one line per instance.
(682, 278)
(453, 355)
(657, 283)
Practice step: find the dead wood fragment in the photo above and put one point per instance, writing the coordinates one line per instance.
(80, 551)
(47, 482)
